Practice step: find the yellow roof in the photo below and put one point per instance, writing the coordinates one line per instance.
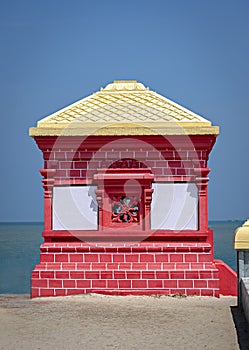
(125, 107)
(241, 238)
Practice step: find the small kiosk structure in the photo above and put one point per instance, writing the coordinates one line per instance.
(241, 244)
(125, 181)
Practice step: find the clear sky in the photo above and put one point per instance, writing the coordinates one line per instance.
(54, 52)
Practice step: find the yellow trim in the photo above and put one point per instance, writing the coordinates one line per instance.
(122, 129)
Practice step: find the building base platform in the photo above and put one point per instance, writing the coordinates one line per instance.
(129, 268)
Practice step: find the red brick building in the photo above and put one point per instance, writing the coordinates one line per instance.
(125, 181)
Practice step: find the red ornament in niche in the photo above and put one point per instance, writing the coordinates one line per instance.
(125, 210)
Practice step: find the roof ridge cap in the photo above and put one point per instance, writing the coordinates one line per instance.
(124, 85)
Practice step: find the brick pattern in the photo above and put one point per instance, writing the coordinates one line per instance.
(156, 268)
(83, 164)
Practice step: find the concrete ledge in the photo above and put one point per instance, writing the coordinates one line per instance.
(245, 296)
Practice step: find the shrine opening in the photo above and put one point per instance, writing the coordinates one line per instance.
(125, 180)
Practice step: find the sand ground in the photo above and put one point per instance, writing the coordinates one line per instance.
(95, 322)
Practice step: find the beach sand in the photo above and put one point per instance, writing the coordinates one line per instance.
(95, 322)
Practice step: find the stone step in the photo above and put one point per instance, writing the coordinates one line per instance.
(141, 257)
(142, 247)
(118, 287)
(209, 273)
(147, 266)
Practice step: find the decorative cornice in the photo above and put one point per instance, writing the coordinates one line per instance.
(202, 179)
(48, 181)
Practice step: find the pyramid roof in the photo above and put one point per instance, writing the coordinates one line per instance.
(124, 107)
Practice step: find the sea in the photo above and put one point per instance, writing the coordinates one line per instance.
(19, 251)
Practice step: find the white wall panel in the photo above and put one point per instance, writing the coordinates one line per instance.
(174, 206)
(75, 208)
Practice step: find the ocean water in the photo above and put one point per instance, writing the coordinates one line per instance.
(19, 251)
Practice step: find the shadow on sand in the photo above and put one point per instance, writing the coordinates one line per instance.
(242, 327)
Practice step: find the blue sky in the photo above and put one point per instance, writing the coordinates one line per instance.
(55, 52)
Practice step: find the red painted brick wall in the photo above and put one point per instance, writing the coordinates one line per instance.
(81, 164)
